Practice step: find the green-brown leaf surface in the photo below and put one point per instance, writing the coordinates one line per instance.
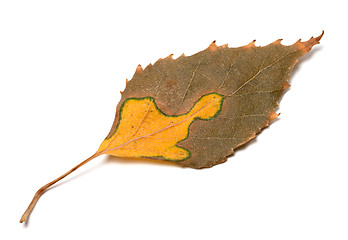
(251, 79)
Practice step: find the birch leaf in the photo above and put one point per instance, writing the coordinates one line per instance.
(249, 79)
(195, 110)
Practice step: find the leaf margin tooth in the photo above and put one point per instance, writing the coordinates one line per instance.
(139, 69)
(170, 56)
(273, 116)
(250, 45)
(286, 85)
(213, 47)
(278, 41)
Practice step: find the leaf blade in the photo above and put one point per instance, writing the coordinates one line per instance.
(252, 80)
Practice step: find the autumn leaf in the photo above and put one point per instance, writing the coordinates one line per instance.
(195, 110)
(250, 79)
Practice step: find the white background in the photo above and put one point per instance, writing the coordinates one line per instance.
(62, 65)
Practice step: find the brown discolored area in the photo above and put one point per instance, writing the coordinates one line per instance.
(170, 83)
(252, 79)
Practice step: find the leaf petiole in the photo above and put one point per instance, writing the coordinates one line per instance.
(43, 189)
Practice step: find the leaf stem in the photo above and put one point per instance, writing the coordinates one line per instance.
(43, 189)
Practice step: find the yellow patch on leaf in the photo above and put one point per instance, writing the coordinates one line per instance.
(145, 131)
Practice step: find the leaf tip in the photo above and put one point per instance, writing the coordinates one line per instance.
(305, 47)
(321, 35)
